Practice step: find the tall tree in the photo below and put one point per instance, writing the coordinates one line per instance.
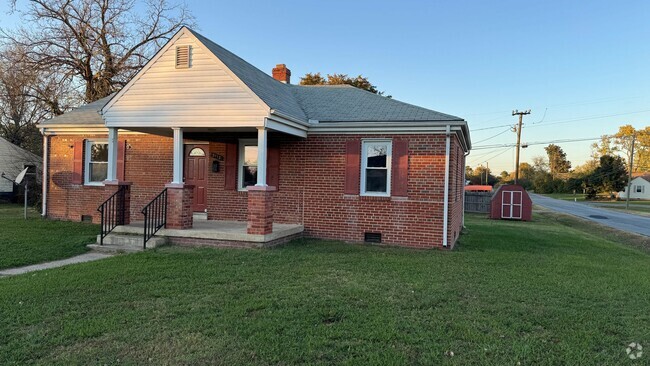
(623, 141)
(98, 44)
(557, 160)
(27, 97)
(610, 176)
(360, 81)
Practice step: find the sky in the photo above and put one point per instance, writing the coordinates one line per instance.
(582, 67)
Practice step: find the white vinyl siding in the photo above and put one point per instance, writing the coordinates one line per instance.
(204, 94)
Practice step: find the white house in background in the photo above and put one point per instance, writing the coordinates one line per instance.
(13, 159)
(640, 189)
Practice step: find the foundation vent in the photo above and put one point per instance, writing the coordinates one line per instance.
(183, 57)
(86, 218)
(372, 237)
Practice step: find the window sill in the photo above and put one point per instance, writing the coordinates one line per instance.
(94, 184)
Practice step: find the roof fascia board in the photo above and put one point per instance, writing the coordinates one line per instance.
(285, 128)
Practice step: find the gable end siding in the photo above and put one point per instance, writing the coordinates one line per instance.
(203, 95)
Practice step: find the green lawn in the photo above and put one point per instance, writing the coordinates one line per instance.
(35, 240)
(512, 293)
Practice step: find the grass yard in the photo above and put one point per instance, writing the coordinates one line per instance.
(24, 242)
(565, 196)
(542, 293)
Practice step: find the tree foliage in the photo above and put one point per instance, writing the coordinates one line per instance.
(621, 143)
(98, 44)
(360, 81)
(557, 160)
(610, 176)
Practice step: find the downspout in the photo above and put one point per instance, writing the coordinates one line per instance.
(44, 167)
(445, 214)
(463, 186)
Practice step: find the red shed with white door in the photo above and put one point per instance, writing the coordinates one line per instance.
(511, 202)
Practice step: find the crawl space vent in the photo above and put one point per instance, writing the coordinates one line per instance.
(372, 237)
(183, 57)
(86, 218)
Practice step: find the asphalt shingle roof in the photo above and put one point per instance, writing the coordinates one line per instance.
(345, 103)
(87, 114)
(325, 103)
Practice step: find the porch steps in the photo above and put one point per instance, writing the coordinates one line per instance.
(125, 243)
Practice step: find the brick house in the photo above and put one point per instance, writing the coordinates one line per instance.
(220, 153)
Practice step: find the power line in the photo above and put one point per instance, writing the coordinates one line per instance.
(536, 143)
(491, 137)
(553, 122)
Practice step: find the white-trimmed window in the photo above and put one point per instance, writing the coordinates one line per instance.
(96, 162)
(376, 157)
(639, 189)
(247, 167)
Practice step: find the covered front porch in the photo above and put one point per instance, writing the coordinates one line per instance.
(173, 212)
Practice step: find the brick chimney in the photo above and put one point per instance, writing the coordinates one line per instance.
(281, 73)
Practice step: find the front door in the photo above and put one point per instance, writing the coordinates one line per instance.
(511, 204)
(196, 174)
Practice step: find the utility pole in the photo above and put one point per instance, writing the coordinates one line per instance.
(518, 130)
(629, 179)
(487, 173)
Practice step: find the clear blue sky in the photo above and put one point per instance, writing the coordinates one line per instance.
(475, 59)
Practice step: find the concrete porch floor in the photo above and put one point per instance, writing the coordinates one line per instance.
(217, 230)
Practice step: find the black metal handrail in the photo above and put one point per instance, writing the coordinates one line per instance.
(155, 216)
(112, 212)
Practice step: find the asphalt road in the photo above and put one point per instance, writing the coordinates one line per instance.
(618, 220)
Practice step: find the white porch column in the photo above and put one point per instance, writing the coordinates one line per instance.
(111, 174)
(178, 156)
(261, 156)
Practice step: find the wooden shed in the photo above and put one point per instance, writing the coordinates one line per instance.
(511, 202)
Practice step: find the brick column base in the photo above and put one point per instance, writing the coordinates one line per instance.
(260, 210)
(179, 206)
(112, 187)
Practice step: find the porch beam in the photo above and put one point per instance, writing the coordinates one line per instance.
(261, 156)
(177, 177)
(111, 174)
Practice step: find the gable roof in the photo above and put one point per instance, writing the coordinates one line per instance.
(87, 114)
(345, 103)
(645, 176)
(272, 92)
(12, 157)
(326, 103)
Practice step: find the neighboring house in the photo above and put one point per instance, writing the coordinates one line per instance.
(640, 189)
(226, 139)
(13, 159)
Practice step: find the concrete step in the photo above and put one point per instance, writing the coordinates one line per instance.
(200, 216)
(127, 243)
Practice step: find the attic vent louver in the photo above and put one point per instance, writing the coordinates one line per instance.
(183, 57)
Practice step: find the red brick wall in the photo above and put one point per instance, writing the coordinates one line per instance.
(456, 190)
(149, 167)
(310, 190)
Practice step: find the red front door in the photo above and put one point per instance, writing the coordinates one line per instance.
(196, 174)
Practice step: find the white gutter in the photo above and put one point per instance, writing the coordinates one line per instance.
(445, 214)
(46, 139)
